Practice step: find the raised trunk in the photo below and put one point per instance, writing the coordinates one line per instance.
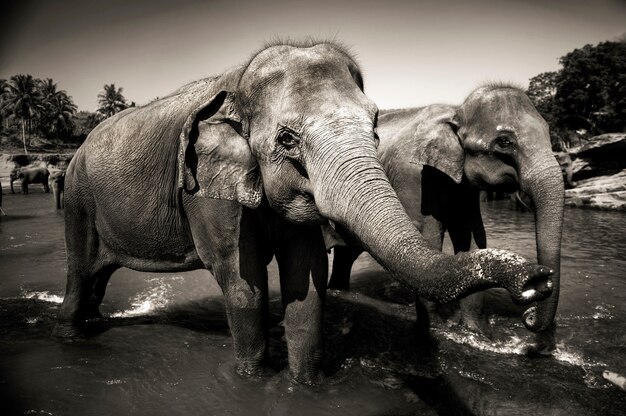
(351, 188)
(543, 181)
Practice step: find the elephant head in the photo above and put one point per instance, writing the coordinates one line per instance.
(294, 125)
(13, 176)
(498, 141)
(57, 182)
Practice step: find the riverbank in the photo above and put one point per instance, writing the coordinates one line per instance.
(9, 161)
(599, 172)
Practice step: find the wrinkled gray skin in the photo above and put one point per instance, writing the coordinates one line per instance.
(229, 171)
(28, 176)
(57, 182)
(438, 158)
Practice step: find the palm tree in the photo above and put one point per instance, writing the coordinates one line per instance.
(3, 111)
(47, 87)
(59, 109)
(60, 112)
(111, 101)
(22, 100)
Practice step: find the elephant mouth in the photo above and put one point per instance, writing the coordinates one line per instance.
(300, 209)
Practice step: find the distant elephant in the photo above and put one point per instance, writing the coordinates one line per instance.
(565, 161)
(29, 175)
(229, 171)
(439, 157)
(57, 181)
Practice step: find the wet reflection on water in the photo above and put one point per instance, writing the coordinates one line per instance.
(165, 347)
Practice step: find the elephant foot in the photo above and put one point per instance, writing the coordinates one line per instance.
(544, 342)
(68, 330)
(308, 378)
(253, 369)
(72, 330)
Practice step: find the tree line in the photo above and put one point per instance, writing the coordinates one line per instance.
(31, 106)
(586, 96)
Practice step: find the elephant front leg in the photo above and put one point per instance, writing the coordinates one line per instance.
(245, 294)
(303, 266)
(343, 259)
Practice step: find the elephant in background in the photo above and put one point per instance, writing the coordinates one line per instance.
(57, 182)
(565, 161)
(30, 175)
(439, 157)
(230, 171)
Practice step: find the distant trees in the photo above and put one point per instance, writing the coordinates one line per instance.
(111, 101)
(22, 100)
(587, 94)
(37, 106)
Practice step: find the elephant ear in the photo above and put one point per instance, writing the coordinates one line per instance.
(215, 160)
(440, 146)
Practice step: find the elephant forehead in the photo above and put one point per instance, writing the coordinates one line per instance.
(319, 62)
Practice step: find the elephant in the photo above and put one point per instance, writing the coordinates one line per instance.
(30, 175)
(438, 159)
(230, 171)
(565, 161)
(57, 182)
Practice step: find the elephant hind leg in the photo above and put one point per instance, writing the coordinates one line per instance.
(89, 268)
(83, 295)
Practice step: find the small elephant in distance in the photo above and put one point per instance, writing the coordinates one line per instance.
(57, 182)
(438, 159)
(30, 175)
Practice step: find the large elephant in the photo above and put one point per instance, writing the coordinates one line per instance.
(439, 157)
(29, 175)
(229, 171)
(57, 182)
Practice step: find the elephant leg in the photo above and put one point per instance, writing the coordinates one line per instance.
(231, 246)
(470, 311)
(25, 187)
(303, 267)
(89, 268)
(343, 259)
(98, 289)
(433, 233)
(46, 187)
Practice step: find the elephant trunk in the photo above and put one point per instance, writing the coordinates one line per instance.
(543, 181)
(350, 188)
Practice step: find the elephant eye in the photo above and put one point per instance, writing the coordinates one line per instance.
(287, 140)
(504, 141)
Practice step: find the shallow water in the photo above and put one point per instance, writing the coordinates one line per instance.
(166, 349)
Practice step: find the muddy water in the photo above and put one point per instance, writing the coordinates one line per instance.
(165, 346)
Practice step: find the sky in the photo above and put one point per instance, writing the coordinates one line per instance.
(412, 53)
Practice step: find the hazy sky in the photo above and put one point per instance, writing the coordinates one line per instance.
(412, 52)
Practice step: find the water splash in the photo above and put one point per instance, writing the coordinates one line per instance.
(514, 345)
(518, 346)
(45, 296)
(151, 300)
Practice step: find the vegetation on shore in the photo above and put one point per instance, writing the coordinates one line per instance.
(35, 115)
(586, 97)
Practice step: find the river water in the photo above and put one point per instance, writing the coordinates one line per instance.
(167, 348)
